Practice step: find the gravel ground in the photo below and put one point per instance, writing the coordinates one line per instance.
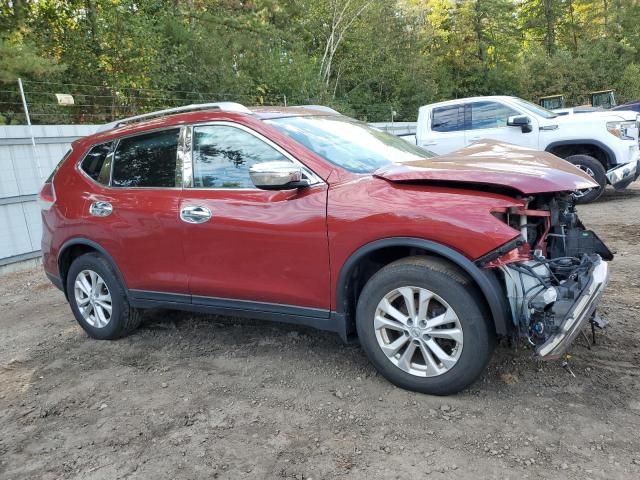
(211, 397)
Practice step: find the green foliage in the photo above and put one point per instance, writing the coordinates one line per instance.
(19, 59)
(367, 58)
(629, 84)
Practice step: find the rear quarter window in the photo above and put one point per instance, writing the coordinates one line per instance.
(97, 163)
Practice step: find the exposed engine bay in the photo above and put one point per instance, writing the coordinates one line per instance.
(553, 275)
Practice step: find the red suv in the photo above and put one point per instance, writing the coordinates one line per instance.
(305, 216)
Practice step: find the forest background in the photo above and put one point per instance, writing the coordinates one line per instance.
(371, 59)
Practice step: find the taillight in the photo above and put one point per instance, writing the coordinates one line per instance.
(47, 196)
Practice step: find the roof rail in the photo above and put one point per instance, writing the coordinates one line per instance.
(226, 106)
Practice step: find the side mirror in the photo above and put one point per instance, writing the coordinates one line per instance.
(521, 121)
(277, 175)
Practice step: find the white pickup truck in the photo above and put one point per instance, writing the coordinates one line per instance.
(603, 144)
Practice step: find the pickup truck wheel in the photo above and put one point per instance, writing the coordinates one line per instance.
(98, 300)
(423, 327)
(595, 170)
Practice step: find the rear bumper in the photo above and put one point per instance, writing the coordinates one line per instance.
(578, 316)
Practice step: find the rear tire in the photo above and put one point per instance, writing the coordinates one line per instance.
(592, 167)
(448, 341)
(98, 299)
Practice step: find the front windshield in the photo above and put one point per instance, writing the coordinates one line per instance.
(348, 143)
(537, 109)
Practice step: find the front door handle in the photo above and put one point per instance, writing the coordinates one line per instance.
(195, 214)
(101, 209)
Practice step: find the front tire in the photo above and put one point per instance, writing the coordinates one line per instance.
(592, 167)
(98, 299)
(422, 325)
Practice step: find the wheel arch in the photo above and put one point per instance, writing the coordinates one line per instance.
(75, 247)
(596, 149)
(349, 284)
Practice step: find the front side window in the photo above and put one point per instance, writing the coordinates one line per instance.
(348, 143)
(222, 156)
(448, 119)
(490, 115)
(97, 163)
(147, 160)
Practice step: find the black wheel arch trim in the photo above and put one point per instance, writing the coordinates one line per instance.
(611, 156)
(96, 246)
(485, 279)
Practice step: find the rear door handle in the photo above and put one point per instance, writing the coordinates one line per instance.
(429, 144)
(101, 209)
(195, 214)
(475, 139)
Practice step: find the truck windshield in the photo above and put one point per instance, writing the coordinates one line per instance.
(348, 143)
(533, 108)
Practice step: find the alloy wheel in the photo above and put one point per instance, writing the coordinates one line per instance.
(418, 331)
(588, 171)
(93, 298)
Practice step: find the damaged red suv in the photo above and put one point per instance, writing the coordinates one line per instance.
(305, 216)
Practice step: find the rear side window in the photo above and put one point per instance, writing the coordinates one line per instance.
(97, 163)
(490, 115)
(147, 160)
(448, 119)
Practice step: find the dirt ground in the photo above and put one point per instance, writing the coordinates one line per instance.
(190, 397)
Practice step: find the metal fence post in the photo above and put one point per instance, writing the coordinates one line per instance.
(33, 138)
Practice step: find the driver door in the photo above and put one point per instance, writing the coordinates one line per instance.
(246, 247)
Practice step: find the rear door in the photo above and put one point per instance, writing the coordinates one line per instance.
(488, 119)
(135, 216)
(246, 247)
(446, 129)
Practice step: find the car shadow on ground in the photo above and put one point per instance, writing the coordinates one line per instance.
(512, 361)
(610, 195)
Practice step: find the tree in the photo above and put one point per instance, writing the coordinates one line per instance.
(18, 59)
(368, 58)
(343, 13)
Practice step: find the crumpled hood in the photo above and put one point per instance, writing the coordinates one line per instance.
(489, 162)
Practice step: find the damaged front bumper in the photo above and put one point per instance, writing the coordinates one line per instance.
(620, 177)
(578, 316)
